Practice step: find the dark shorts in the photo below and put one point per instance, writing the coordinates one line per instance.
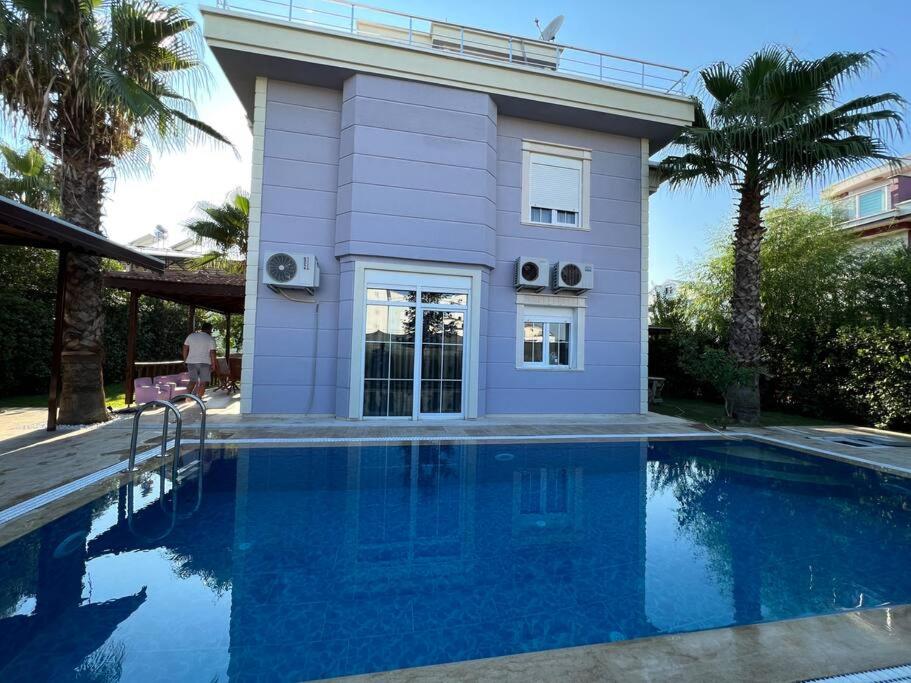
(200, 372)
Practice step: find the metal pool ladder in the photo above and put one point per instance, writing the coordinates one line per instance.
(177, 472)
(178, 421)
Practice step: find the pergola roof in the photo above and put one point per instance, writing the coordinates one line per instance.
(24, 226)
(208, 289)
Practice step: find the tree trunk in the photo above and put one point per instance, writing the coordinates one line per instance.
(745, 336)
(82, 399)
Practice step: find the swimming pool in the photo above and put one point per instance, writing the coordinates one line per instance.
(302, 563)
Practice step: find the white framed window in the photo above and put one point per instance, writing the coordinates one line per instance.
(555, 185)
(871, 203)
(546, 343)
(863, 204)
(550, 331)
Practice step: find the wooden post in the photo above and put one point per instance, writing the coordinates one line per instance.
(228, 337)
(191, 319)
(132, 325)
(53, 396)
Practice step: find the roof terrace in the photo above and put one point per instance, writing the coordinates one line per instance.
(464, 42)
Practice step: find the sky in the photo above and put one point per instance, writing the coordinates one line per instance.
(691, 34)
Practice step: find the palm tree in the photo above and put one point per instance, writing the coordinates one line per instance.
(92, 81)
(224, 228)
(28, 178)
(773, 121)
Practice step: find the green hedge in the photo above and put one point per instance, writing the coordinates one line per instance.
(27, 328)
(27, 324)
(869, 372)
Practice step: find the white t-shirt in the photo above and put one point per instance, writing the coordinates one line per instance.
(200, 345)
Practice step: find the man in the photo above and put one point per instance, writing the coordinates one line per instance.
(199, 355)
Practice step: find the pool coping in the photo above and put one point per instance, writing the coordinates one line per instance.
(797, 649)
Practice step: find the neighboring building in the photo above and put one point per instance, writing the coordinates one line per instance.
(155, 244)
(876, 204)
(405, 166)
(667, 289)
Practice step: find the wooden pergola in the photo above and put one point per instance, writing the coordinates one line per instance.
(22, 226)
(206, 289)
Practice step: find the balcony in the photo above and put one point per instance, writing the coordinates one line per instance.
(464, 42)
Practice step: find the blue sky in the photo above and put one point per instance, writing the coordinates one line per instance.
(689, 34)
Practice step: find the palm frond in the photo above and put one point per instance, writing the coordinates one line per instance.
(775, 120)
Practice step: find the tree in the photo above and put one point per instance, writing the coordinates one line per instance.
(773, 121)
(29, 179)
(225, 229)
(92, 81)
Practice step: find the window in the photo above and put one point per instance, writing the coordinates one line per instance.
(547, 343)
(862, 205)
(846, 209)
(871, 203)
(555, 185)
(547, 335)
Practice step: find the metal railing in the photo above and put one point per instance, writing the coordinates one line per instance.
(177, 472)
(421, 33)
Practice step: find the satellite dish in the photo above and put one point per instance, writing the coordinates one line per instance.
(549, 32)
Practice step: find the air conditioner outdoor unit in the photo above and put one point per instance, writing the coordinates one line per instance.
(569, 276)
(293, 271)
(531, 273)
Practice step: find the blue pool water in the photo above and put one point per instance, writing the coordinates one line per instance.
(308, 563)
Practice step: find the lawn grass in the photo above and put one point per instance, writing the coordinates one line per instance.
(713, 414)
(114, 397)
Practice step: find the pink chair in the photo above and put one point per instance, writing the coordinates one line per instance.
(144, 390)
(171, 385)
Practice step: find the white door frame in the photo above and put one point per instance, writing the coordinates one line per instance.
(412, 273)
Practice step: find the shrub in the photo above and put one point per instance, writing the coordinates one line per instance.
(718, 369)
(870, 371)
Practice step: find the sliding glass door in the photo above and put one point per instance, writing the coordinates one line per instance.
(414, 352)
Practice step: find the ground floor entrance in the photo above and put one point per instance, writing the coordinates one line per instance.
(412, 348)
(414, 343)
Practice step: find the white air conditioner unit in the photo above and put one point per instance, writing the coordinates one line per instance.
(531, 273)
(293, 271)
(569, 276)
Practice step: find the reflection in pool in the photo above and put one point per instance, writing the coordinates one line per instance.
(307, 563)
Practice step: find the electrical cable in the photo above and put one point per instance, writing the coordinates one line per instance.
(315, 342)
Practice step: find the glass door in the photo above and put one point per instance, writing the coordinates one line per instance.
(442, 344)
(389, 353)
(414, 353)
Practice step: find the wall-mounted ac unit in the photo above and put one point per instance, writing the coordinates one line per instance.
(294, 271)
(569, 276)
(531, 273)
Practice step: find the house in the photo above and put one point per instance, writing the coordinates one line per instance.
(667, 290)
(876, 205)
(155, 244)
(445, 221)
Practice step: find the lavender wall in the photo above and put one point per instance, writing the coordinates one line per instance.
(610, 381)
(395, 169)
(300, 180)
(416, 172)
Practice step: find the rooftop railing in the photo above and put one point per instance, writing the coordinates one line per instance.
(456, 40)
